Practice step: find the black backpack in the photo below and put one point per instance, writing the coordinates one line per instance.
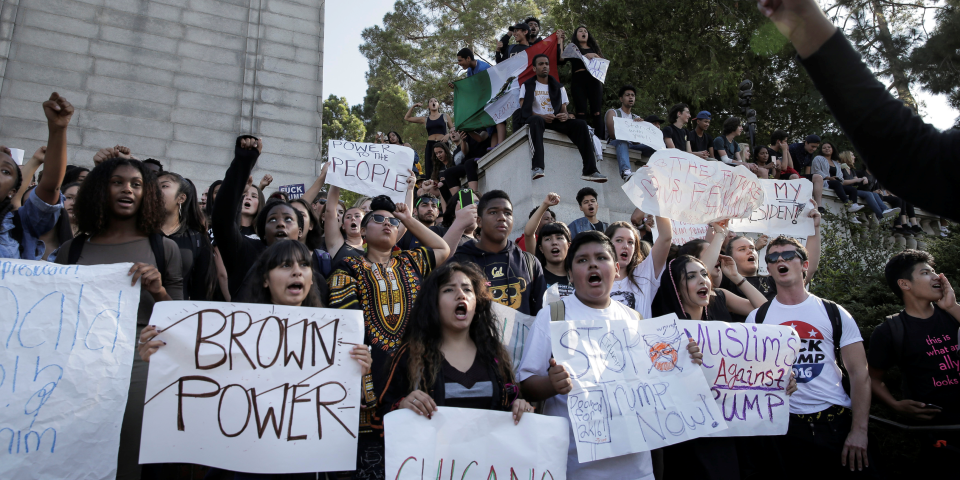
(834, 313)
(156, 244)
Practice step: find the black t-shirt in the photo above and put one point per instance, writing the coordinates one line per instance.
(598, 226)
(801, 159)
(410, 242)
(930, 361)
(577, 64)
(699, 144)
(515, 49)
(470, 389)
(563, 283)
(678, 135)
(249, 232)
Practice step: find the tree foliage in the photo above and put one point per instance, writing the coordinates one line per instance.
(937, 62)
(340, 123)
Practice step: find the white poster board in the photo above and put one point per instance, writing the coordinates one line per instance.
(597, 67)
(640, 132)
(747, 368)
(514, 328)
(68, 339)
(635, 387)
(680, 186)
(253, 388)
(683, 232)
(465, 443)
(783, 212)
(370, 169)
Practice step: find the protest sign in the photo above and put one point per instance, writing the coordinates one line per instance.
(64, 367)
(635, 387)
(17, 155)
(683, 232)
(224, 389)
(747, 368)
(293, 191)
(514, 327)
(640, 132)
(485, 442)
(783, 211)
(597, 66)
(680, 186)
(370, 169)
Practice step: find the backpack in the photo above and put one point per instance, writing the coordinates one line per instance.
(156, 244)
(833, 312)
(323, 262)
(558, 312)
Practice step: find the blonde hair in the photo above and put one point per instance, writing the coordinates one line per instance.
(847, 158)
(745, 149)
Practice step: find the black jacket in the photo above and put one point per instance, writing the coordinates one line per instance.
(553, 87)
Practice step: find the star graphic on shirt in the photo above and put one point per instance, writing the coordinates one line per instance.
(793, 326)
(813, 333)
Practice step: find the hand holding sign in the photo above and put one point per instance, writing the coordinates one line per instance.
(370, 168)
(638, 131)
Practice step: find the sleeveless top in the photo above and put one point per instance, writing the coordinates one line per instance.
(436, 127)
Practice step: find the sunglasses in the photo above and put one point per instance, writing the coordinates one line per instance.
(786, 256)
(432, 201)
(321, 201)
(377, 218)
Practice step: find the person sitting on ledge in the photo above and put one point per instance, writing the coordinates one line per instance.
(543, 104)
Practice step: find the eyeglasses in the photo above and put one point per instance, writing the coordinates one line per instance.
(377, 218)
(321, 201)
(785, 255)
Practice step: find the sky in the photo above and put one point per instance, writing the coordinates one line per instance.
(345, 68)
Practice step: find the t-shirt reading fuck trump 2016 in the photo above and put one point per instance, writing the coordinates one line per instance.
(818, 375)
(543, 106)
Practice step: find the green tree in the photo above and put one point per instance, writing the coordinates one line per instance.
(937, 62)
(339, 123)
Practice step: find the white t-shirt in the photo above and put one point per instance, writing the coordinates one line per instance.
(818, 375)
(536, 360)
(542, 105)
(639, 299)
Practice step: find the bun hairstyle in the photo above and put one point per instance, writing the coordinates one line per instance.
(381, 202)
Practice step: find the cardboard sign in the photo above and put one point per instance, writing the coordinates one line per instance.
(253, 388)
(747, 368)
(474, 443)
(293, 191)
(68, 337)
(639, 132)
(681, 186)
(683, 232)
(783, 211)
(597, 67)
(370, 169)
(635, 387)
(514, 327)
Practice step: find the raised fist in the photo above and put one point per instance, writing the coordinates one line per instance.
(58, 111)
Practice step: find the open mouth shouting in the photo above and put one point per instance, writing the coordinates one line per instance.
(281, 234)
(295, 288)
(555, 252)
(624, 256)
(594, 280)
(125, 202)
(937, 285)
(703, 293)
(460, 312)
(782, 269)
(752, 258)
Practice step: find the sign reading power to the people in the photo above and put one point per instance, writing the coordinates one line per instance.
(370, 169)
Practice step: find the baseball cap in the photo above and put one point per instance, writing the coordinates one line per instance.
(812, 139)
(704, 114)
(654, 119)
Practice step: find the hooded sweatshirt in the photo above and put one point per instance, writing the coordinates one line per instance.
(515, 277)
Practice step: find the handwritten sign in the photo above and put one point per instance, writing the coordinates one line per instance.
(683, 232)
(253, 388)
(484, 443)
(293, 191)
(680, 186)
(783, 212)
(514, 327)
(597, 66)
(68, 339)
(370, 169)
(640, 132)
(748, 368)
(635, 387)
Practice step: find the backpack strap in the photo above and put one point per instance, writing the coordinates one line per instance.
(895, 323)
(530, 260)
(762, 312)
(156, 244)
(558, 311)
(836, 322)
(618, 112)
(76, 248)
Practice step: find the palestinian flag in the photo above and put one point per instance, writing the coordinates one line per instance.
(491, 96)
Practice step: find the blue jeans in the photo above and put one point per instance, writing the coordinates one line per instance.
(873, 201)
(623, 152)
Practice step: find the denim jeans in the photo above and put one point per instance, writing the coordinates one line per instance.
(873, 201)
(623, 152)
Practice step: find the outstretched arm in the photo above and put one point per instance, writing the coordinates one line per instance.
(530, 229)
(28, 169)
(661, 247)
(58, 112)
(813, 243)
(409, 115)
(314, 190)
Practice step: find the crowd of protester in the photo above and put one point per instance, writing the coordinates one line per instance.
(426, 273)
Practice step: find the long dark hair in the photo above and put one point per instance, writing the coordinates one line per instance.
(437, 164)
(834, 154)
(636, 259)
(73, 173)
(208, 210)
(591, 42)
(399, 138)
(284, 251)
(671, 301)
(191, 217)
(92, 207)
(424, 333)
(316, 231)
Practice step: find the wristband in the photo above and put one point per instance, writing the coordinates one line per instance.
(741, 282)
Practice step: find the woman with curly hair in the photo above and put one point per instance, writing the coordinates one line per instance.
(120, 214)
(452, 353)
